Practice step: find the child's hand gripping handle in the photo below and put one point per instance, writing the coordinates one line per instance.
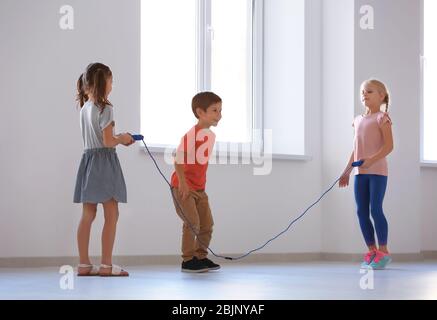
(357, 163)
(137, 137)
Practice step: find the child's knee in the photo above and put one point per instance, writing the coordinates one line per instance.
(89, 212)
(363, 213)
(92, 216)
(377, 212)
(111, 217)
(192, 227)
(206, 228)
(88, 218)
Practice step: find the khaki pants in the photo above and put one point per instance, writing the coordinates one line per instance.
(198, 213)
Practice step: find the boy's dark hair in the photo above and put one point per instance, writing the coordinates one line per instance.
(204, 100)
(93, 80)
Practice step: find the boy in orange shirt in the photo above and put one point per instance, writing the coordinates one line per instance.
(189, 180)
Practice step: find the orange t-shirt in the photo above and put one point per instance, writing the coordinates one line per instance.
(196, 145)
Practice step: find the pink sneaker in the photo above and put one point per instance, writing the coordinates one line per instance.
(368, 259)
(380, 261)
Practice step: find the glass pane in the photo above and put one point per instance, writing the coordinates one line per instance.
(284, 75)
(231, 66)
(430, 81)
(168, 69)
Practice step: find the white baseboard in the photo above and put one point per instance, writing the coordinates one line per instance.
(430, 255)
(352, 257)
(33, 262)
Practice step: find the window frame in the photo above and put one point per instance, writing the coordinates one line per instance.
(203, 72)
(203, 51)
(423, 162)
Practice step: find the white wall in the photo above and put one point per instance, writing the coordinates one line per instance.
(339, 228)
(41, 145)
(428, 201)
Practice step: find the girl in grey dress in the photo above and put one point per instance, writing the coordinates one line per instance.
(99, 178)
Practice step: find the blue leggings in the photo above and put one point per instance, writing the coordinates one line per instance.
(370, 190)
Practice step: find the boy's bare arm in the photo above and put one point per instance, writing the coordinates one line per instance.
(184, 190)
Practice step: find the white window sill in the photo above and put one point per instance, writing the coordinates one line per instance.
(428, 164)
(161, 149)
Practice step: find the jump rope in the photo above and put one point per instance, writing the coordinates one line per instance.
(139, 137)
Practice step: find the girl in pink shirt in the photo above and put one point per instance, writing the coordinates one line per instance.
(373, 142)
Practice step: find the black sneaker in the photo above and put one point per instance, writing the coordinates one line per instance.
(194, 266)
(211, 265)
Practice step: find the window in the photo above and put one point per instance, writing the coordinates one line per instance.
(168, 65)
(284, 73)
(190, 46)
(231, 66)
(429, 148)
(218, 45)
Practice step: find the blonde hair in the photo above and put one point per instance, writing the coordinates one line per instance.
(382, 88)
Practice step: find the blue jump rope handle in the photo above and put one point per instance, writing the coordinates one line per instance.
(137, 137)
(357, 163)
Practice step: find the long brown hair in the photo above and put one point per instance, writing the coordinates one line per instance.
(93, 81)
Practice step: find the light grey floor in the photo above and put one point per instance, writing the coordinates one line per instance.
(281, 281)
